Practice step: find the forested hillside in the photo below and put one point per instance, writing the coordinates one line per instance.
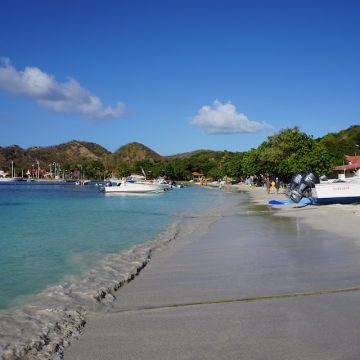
(282, 154)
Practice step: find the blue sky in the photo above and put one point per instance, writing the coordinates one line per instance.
(176, 75)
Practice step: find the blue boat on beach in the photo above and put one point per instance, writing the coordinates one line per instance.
(288, 203)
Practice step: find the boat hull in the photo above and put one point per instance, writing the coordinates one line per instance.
(7, 180)
(337, 192)
(133, 188)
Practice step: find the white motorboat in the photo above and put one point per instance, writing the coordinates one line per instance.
(323, 192)
(340, 192)
(7, 179)
(132, 187)
(161, 182)
(3, 177)
(82, 182)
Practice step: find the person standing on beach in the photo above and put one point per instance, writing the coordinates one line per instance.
(272, 185)
(277, 185)
(267, 184)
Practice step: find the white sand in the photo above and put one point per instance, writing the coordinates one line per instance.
(340, 219)
(189, 302)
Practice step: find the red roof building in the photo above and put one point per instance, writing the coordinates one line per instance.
(353, 164)
(349, 169)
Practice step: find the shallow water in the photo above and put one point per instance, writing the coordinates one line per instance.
(48, 232)
(65, 250)
(86, 245)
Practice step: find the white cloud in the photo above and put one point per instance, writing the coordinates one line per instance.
(223, 119)
(67, 97)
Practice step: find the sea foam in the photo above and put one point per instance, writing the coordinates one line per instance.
(51, 320)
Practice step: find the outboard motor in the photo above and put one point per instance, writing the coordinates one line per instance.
(310, 179)
(295, 181)
(295, 196)
(307, 182)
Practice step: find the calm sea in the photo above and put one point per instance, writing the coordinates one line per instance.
(51, 232)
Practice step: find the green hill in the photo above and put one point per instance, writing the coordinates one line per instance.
(133, 152)
(71, 153)
(346, 140)
(131, 156)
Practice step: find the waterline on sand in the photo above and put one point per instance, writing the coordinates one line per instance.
(43, 328)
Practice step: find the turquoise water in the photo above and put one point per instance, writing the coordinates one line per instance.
(48, 232)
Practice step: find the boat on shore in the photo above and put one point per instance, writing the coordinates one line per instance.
(124, 186)
(324, 192)
(340, 192)
(288, 203)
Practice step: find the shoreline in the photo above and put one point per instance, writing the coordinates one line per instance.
(193, 227)
(337, 219)
(228, 292)
(57, 315)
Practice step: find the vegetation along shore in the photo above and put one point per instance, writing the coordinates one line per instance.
(287, 152)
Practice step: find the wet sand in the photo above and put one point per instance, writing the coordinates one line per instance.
(339, 219)
(250, 286)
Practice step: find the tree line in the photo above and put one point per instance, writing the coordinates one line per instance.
(281, 155)
(287, 152)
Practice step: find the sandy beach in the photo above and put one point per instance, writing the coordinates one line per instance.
(338, 219)
(252, 283)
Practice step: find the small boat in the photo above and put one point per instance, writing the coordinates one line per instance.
(4, 178)
(163, 183)
(82, 182)
(288, 203)
(340, 192)
(7, 179)
(134, 188)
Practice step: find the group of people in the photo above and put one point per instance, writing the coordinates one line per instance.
(275, 184)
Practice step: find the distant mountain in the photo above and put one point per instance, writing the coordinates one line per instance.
(187, 155)
(133, 152)
(16, 154)
(72, 153)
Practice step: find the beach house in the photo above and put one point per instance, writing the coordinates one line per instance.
(197, 176)
(349, 169)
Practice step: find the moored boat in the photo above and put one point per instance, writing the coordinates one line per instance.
(130, 187)
(4, 178)
(82, 182)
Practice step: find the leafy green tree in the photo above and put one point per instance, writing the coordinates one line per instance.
(233, 165)
(94, 169)
(251, 163)
(291, 151)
